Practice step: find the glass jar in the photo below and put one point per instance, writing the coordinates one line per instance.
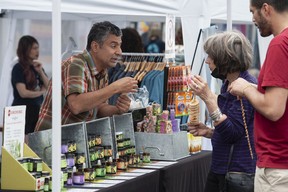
(146, 157)
(69, 178)
(119, 135)
(72, 147)
(37, 165)
(120, 143)
(46, 184)
(100, 170)
(80, 158)
(63, 161)
(113, 167)
(121, 151)
(64, 147)
(91, 141)
(126, 142)
(107, 150)
(78, 178)
(121, 164)
(89, 174)
(98, 140)
(99, 152)
(65, 175)
(70, 158)
(136, 159)
(24, 162)
(92, 154)
(131, 160)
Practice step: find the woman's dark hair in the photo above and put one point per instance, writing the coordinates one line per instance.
(25, 45)
(279, 5)
(131, 41)
(100, 31)
(231, 51)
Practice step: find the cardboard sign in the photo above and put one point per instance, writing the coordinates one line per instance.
(14, 130)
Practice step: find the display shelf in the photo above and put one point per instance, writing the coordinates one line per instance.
(124, 123)
(41, 141)
(172, 146)
(15, 177)
(103, 128)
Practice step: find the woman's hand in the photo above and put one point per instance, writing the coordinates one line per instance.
(200, 129)
(199, 87)
(38, 66)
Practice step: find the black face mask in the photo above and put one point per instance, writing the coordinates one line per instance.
(215, 73)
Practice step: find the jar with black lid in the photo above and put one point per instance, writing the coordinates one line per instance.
(72, 147)
(78, 178)
(80, 158)
(89, 174)
(107, 150)
(98, 140)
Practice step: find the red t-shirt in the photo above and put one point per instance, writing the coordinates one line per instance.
(271, 138)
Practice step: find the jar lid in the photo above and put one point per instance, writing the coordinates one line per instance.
(37, 159)
(80, 153)
(107, 146)
(88, 170)
(45, 173)
(119, 133)
(121, 148)
(70, 155)
(78, 173)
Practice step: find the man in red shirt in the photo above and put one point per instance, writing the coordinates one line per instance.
(270, 97)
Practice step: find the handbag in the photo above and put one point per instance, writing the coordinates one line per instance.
(240, 181)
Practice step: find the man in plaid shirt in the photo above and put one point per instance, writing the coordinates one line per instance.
(85, 88)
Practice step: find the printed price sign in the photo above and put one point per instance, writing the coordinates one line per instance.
(14, 130)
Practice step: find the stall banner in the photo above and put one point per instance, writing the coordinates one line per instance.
(14, 130)
(170, 37)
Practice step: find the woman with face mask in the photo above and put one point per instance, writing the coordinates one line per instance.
(229, 57)
(29, 80)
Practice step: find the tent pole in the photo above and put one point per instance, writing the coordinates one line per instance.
(229, 15)
(56, 95)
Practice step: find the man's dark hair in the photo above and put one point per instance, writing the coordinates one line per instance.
(100, 31)
(279, 5)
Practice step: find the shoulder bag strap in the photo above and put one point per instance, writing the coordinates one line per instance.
(246, 129)
(247, 136)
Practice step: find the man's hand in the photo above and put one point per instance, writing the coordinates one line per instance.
(123, 103)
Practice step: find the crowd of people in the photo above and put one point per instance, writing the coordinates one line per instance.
(249, 132)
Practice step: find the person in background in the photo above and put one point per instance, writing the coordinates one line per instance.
(229, 57)
(254, 72)
(131, 41)
(85, 88)
(270, 97)
(155, 45)
(29, 81)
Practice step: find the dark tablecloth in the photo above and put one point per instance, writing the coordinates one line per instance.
(188, 175)
(144, 183)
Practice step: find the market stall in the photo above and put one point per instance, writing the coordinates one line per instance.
(196, 13)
